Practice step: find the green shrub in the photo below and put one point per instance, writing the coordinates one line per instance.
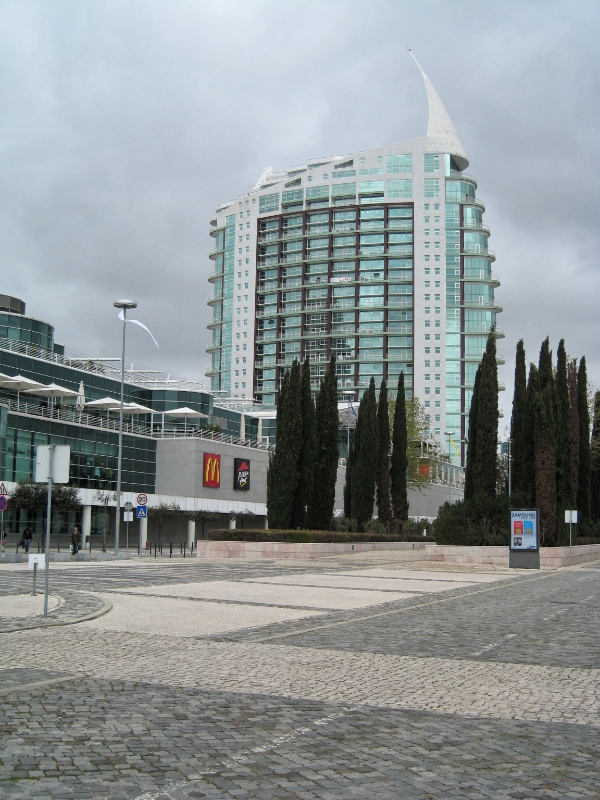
(295, 536)
(482, 520)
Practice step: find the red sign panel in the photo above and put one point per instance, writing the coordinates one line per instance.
(212, 470)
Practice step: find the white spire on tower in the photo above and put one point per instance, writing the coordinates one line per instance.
(441, 133)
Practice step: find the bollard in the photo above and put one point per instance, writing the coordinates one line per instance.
(184, 544)
(161, 548)
(34, 578)
(170, 549)
(154, 549)
(39, 548)
(90, 542)
(17, 550)
(58, 547)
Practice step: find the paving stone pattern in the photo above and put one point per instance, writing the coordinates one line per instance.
(489, 691)
(76, 606)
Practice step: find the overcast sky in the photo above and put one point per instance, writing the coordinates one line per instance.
(124, 123)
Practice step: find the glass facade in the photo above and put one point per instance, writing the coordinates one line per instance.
(352, 274)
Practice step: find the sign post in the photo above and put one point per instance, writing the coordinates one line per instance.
(524, 552)
(128, 516)
(3, 506)
(571, 517)
(51, 464)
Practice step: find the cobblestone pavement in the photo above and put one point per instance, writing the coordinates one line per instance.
(72, 607)
(483, 690)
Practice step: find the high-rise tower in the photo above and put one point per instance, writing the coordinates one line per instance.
(379, 256)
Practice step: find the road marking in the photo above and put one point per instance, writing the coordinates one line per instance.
(20, 687)
(501, 585)
(489, 647)
(564, 611)
(246, 755)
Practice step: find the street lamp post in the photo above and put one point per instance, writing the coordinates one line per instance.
(123, 305)
(449, 434)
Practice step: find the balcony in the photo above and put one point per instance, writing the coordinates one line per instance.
(474, 225)
(213, 300)
(315, 331)
(341, 227)
(271, 236)
(483, 330)
(311, 305)
(482, 278)
(487, 305)
(293, 233)
(317, 357)
(343, 302)
(213, 276)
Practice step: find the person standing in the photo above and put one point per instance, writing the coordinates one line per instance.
(27, 538)
(76, 540)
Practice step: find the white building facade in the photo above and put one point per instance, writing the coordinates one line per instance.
(380, 257)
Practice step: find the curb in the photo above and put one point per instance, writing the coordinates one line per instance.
(59, 623)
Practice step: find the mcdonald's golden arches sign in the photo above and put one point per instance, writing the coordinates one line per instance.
(212, 470)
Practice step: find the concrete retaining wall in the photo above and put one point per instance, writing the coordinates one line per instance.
(412, 551)
(549, 556)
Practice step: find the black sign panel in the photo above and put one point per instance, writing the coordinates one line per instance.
(241, 474)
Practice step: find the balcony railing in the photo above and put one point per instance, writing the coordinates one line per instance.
(110, 422)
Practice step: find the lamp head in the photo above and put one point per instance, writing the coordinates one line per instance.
(125, 304)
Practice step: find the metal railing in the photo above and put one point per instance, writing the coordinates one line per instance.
(155, 430)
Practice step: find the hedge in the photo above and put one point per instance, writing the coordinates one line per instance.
(295, 536)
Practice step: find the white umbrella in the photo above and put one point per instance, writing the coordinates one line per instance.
(109, 403)
(80, 397)
(52, 390)
(136, 408)
(184, 412)
(19, 383)
(104, 402)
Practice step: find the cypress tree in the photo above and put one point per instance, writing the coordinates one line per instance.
(306, 460)
(366, 457)
(595, 460)
(472, 438)
(563, 441)
(573, 430)
(399, 466)
(545, 462)
(384, 506)
(517, 421)
(528, 464)
(282, 475)
(545, 364)
(583, 494)
(320, 507)
(485, 464)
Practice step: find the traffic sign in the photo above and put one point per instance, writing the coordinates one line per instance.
(142, 512)
(128, 506)
(3, 489)
(142, 499)
(128, 516)
(3, 502)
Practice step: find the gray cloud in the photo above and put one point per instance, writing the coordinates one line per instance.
(124, 125)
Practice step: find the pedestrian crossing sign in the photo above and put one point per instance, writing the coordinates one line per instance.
(141, 512)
